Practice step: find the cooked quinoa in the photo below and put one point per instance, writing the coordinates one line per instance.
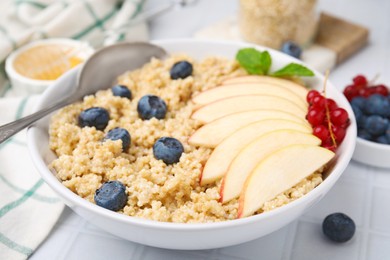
(156, 191)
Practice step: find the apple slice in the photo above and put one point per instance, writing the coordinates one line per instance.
(233, 90)
(232, 105)
(220, 159)
(247, 159)
(278, 172)
(211, 134)
(302, 91)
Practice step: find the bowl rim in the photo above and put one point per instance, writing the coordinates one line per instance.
(384, 147)
(64, 192)
(9, 62)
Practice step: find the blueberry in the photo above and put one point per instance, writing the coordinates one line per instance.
(122, 134)
(121, 91)
(376, 125)
(181, 70)
(358, 102)
(363, 133)
(151, 106)
(338, 227)
(360, 117)
(111, 195)
(168, 149)
(382, 139)
(387, 133)
(292, 49)
(94, 116)
(377, 105)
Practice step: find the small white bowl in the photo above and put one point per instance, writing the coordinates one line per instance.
(180, 235)
(371, 153)
(23, 85)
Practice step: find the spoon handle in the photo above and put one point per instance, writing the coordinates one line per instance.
(8, 130)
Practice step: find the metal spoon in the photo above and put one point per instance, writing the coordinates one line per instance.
(98, 72)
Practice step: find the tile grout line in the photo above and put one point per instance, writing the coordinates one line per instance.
(365, 229)
(138, 252)
(71, 240)
(289, 240)
(380, 186)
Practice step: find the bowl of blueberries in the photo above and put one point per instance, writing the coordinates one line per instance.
(371, 105)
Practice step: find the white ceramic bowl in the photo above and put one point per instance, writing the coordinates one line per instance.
(23, 85)
(178, 235)
(371, 153)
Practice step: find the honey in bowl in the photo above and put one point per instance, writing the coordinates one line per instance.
(47, 62)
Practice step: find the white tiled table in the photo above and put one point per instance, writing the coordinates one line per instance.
(363, 192)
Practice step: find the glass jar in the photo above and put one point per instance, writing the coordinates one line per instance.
(272, 22)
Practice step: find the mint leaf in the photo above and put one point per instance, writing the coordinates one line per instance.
(265, 61)
(293, 69)
(254, 61)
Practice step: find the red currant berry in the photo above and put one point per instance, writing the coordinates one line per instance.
(331, 104)
(315, 116)
(338, 116)
(366, 92)
(330, 147)
(360, 80)
(321, 132)
(346, 124)
(350, 92)
(328, 144)
(339, 133)
(381, 90)
(318, 102)
(311, 94)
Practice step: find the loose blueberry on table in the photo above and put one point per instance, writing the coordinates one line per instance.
(121, 91)
(371, 106)
(111, 195)
(181, 70)
(119, 134)
(168, 149)
(150, 106)
(338, 227)
(94, 116)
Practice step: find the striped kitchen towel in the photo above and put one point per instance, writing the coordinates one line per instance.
(95, 21)
(29, 209)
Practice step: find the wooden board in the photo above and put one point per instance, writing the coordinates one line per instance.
(341, 36)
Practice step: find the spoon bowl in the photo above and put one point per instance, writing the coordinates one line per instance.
(104, 66)
(97, 73)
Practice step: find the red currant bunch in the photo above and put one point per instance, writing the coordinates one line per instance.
(360, 88)
(329, 121)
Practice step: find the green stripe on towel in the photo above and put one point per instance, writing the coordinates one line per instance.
(10, 206)
(6, 142)
(98, 23)
(35, 196)
(15, 246)
(21, 107)
(5, 89)
(32, 3)
(138, 8)
(14, 141)
(17, 142)
(92, 27)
